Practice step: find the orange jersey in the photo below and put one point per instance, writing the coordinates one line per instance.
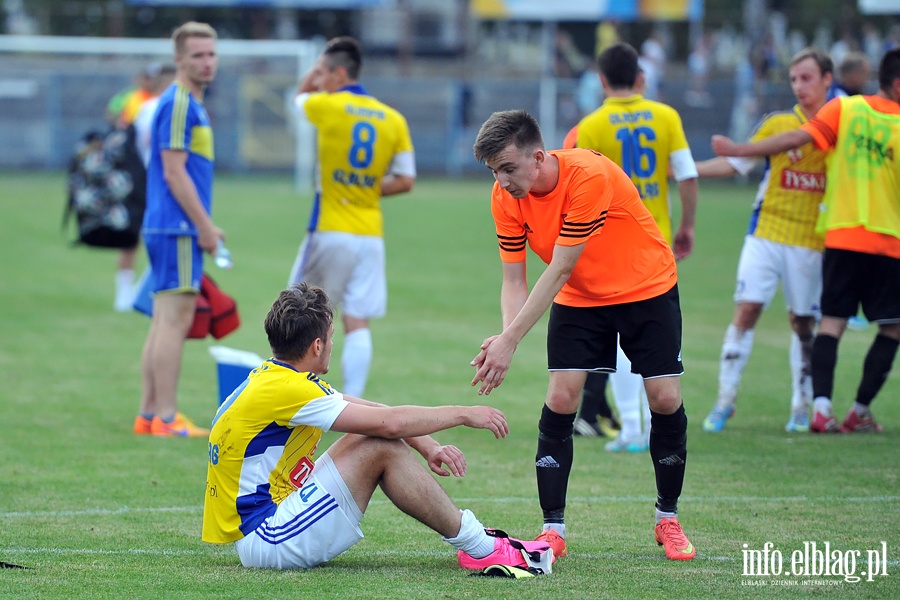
(571, 139)
(626, 258)
(824, 128)
(133, 104)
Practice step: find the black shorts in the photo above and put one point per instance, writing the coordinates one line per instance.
(853, 279)
(584, 338)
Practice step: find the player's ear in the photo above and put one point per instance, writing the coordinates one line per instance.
(640, 79)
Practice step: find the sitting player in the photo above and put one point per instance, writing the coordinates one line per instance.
(282, 510)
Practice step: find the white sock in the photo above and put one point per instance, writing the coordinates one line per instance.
(822, 405)
(355, 361)
(626, 389)
(472, 538)
(801, 370)
(660, 515)
(124, 289)
(736, 347)
(559, 528)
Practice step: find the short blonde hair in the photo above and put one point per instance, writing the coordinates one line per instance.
(823, 60)
(191, 29)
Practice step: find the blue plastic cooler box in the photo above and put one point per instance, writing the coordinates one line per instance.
(233, 366)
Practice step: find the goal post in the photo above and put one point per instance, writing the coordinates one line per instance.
(255, 86)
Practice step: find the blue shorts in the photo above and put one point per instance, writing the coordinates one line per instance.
(176, 262)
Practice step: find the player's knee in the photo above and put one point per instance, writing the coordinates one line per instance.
(664, 401)
(564, 401)
(371, 449)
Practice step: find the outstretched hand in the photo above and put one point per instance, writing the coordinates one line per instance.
(492, 363)
(487, 417)
(450, 456)
(723, 146)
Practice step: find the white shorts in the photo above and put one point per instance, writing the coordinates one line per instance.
(350, 268)
(311, 526)
(764, 263)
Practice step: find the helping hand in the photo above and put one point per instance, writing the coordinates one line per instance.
(492, 363)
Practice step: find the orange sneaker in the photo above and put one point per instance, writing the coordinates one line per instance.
(670, 535)
(180, 427)
(556, 541)
(142, 425)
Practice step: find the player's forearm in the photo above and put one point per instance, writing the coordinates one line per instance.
(512, 298)
(185, 193)
(688, 190)
(715, 167)
(416, 423)
(422, 444)
(775, 144)
(539, 300)
(306, 84)
(396, 184)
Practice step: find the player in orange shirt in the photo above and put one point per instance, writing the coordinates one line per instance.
(609, 272)
(861, 223)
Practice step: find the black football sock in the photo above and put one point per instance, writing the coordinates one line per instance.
(668, 449)
(824, 359)
(876, 367)
(553, 462)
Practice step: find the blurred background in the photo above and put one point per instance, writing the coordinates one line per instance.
(445, 64)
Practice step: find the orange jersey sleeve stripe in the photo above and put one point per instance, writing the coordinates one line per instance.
(823, 127)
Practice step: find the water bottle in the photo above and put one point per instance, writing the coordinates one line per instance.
(223, 256)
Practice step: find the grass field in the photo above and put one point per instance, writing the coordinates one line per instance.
(96, 512)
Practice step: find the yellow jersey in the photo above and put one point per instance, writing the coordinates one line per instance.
(262, 446)
(358, 137)
(787, 202)
(640, 136)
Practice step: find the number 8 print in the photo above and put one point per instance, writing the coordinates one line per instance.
(363, 142)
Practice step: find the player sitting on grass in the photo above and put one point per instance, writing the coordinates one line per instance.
(282, 510)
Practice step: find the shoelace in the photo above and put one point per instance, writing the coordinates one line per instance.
(672, 530)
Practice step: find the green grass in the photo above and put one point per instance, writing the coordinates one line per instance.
(96, 512)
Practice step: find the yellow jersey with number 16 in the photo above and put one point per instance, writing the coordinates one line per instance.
(640, 136)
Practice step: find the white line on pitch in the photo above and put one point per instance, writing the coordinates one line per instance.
(506, 500)
(388, 553)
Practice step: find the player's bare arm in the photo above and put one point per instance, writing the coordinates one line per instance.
(434, 453)
(185, 193)
(513, 294)
(724, 146)
(392, 184)
(493, 361)
(716, 167)
(684, 237)
(399, 422)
